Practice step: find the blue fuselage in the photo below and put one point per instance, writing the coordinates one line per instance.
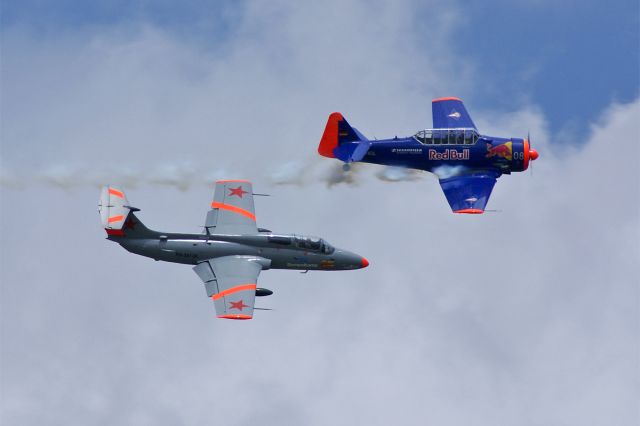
(473, 153)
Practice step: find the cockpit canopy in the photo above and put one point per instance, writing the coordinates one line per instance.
(314, 244)
(462, 136)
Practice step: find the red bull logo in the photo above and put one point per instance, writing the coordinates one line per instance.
(449, 154)
(504, 150)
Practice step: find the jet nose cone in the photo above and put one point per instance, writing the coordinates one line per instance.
(349, 260)
(533, 154)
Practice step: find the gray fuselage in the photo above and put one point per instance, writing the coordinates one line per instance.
(284, 251)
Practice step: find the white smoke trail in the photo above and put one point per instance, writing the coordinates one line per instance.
(291, 173)
(185, 175)
(444, 172)
(398, 174)
(333, 173)
(302, 173)
(338, 174)
(180, 176)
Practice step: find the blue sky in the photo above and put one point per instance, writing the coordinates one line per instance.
(571, 58)
(523, 316)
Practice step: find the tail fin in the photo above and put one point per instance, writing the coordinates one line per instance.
(336, 134)
(116, 213)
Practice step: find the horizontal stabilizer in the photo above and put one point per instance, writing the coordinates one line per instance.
(352, 152)
(338, 132)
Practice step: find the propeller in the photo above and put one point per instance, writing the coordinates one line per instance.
(533, 154)
(530, 163)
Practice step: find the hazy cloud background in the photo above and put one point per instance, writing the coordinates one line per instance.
(527, 316)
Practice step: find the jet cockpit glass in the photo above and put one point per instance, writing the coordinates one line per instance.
(314, 244)
(327, 248)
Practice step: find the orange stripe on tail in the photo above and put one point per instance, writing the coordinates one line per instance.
(116, 218)
(116, 193)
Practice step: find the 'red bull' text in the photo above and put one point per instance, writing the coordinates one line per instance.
(449, 154)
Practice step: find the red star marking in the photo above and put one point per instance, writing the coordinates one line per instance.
(237, 191)
(238, 305)
(130, 223)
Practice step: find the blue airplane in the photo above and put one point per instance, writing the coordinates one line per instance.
(466, 162)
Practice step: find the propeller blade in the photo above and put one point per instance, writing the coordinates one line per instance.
(530, 162)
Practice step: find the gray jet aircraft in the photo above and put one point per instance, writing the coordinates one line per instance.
(232, 251)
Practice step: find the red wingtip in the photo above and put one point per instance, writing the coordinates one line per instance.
(450, 98)
(233, 180)
(236, 316)
(470, 211)
(365, 262)
(329, 140)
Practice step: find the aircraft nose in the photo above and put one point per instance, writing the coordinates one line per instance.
(349, 260)
(533, 154)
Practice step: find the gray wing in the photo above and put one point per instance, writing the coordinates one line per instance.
(231, 283)
(232, 210)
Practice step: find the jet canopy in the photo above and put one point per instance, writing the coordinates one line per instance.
(461, 136)
(313, 244)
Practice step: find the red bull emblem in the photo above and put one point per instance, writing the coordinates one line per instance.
(504, 150)
(449, 154)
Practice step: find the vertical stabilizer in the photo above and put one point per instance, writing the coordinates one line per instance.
(114, 209)
(342, 141)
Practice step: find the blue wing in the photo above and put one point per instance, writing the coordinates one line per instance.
(469, 193)
(450, 113)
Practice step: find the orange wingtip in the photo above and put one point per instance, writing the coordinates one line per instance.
(236, 316)
(450, 98)
(470, 211)
(233, 180)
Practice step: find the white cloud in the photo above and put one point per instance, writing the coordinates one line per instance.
(528, 316)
